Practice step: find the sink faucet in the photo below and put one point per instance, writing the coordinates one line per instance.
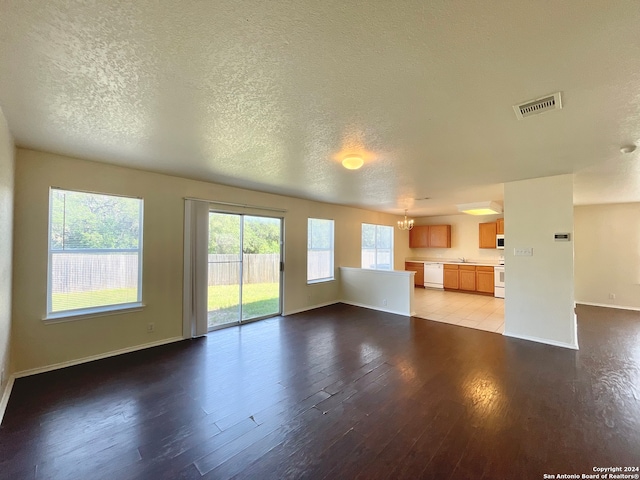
(462, 259)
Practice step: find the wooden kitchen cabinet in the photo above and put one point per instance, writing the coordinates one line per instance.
(419, 236)
(440, 236)
(469, 278)
(488, 232)
(467, 275)
(484, 279)
(500, 226)
(417, 267)
(430, 236)
(450, 274)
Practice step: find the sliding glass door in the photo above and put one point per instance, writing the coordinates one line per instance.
(244, 268)
(261, 257)
(225, 268)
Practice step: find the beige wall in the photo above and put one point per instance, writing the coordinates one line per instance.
(6, 229)
(607, 254)
(464, 239)
(539, 292)
(36, 344)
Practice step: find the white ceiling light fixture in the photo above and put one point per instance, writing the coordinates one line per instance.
(628, 149)
(480, 208)
(352, 162)
(405, 224)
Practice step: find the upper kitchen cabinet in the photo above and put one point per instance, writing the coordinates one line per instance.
(488, 232)
(440, 236)
(419, 236)
(430, 236)
(500, 226)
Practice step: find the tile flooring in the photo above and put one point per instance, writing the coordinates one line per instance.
(465, 309)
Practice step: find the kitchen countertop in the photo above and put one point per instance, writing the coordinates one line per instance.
(457, 262)
(475, 264)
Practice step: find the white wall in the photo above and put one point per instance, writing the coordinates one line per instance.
(464, 238)
(6, 231)
(539, 290)
(387, 291)
(607, 254)
(37, 345)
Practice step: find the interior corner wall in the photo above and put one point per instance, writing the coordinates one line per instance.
(40, 345)
(607, 255)
(6, 233)
(539, 289)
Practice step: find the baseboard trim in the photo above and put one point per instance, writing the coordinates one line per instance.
(113, 353)
(5, 396)
(606, 305)
(542, 340)
(371, 307)
(306, 309)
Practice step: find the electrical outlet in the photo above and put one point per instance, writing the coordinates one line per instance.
(151, 327)
(612, 296)
(523, 252)
(384, 302)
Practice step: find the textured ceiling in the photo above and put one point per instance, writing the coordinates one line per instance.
(270, 95)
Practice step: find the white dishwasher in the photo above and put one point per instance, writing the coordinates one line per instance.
(433, 275)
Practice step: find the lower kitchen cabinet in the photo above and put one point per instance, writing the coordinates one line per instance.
(468, 278)
(484, 279)
(417, 267)
(450, 276)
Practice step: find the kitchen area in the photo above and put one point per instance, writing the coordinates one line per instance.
(459, 271)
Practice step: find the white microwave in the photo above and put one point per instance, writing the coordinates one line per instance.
(500, 242)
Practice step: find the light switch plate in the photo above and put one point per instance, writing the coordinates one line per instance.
(523, 252)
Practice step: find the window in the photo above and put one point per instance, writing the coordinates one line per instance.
(95, 253)
(319, 250)
(377, 247)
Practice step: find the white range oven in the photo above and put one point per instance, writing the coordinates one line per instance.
(498, 283)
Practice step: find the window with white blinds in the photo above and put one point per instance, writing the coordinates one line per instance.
(377, 247)
(319, 250)
(95, 253)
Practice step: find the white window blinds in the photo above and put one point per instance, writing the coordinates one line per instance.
(95, 252)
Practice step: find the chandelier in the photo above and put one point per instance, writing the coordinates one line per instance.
(405, 224)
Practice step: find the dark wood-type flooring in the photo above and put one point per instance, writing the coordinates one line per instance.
(337, 393)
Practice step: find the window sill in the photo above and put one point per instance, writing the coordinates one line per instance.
(321, 280)
(73, 315)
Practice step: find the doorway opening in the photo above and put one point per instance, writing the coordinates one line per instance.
(244, 268)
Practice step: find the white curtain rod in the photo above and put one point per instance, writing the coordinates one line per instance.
(231, 204)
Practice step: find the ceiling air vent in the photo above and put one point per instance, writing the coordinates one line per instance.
(540, 105)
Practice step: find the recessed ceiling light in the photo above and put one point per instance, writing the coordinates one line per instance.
(352, 162)
(627, 149)
(480, 208)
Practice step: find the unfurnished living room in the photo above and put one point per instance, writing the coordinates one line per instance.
(323, 240)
